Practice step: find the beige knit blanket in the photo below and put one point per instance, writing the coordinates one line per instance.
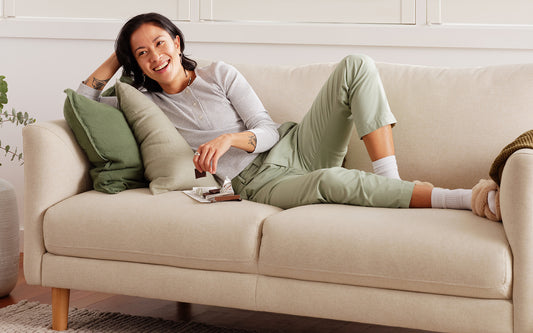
(523, 141)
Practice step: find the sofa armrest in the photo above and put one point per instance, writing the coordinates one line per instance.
(55, 168)
(516, 202)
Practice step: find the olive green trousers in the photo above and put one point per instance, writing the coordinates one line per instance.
(304, 167)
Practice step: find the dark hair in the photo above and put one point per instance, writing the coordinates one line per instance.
(127, 59)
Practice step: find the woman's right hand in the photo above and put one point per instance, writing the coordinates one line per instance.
(104, 73)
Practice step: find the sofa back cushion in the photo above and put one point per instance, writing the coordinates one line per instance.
(452, 122)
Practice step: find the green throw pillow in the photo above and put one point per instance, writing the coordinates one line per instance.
(167, 157)
(103, 133)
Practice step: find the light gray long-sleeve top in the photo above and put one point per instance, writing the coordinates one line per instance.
(218, 101)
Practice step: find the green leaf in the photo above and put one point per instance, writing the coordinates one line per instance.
(3, 92)
(7, 149)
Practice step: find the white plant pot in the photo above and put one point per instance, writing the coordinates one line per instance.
(9, 238)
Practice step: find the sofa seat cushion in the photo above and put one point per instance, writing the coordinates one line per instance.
(169, 229)
(437, 251)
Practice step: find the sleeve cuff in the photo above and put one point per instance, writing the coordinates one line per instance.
(88, 92)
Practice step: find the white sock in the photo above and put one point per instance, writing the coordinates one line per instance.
(386, 167)
(491, 199)
(451, 199)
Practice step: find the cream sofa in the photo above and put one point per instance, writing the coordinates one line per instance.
(439, 270)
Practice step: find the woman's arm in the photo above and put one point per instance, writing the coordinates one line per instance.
(103, 74)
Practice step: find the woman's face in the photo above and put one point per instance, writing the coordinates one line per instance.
(157, 55)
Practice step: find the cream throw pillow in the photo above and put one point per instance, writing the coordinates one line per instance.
(167, 157)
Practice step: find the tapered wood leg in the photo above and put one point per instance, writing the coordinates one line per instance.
(60, 302)
(184, 311)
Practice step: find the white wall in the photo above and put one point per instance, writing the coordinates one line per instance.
(42, 58)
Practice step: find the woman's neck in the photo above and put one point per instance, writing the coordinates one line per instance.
(183, 83)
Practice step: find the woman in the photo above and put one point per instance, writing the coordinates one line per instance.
(223, 120)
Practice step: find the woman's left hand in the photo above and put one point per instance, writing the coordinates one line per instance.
(210, 152)
(207, 155)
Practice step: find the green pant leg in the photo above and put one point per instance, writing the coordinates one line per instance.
(353, 94)
(333, 185)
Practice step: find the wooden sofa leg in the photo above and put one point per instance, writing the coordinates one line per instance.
(184, 311)
(60, 303)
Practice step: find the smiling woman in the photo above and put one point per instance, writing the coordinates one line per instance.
(223, 120)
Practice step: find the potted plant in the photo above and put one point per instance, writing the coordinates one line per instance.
(9, 222)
